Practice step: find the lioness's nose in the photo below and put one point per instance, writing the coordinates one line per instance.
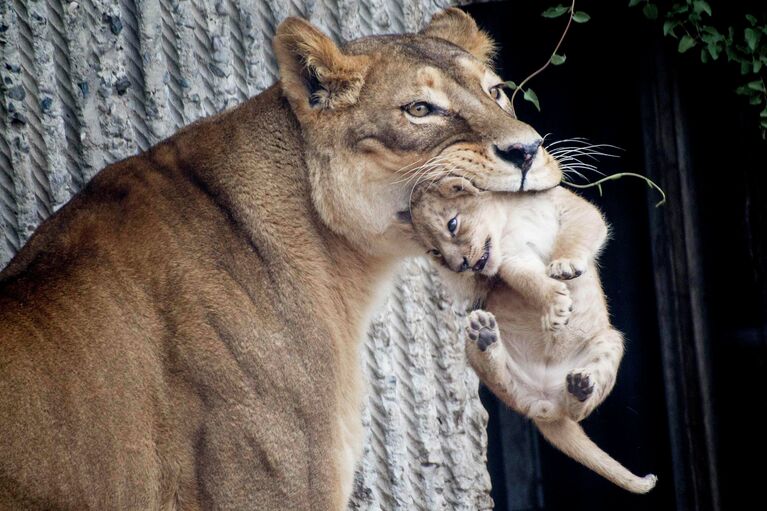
(521, 155)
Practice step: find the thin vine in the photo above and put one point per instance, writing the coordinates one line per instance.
(555, 58)
(612, 177)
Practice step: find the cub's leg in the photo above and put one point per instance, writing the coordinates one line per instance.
(497, 369)
(582, 234)
(552, 296)
(589, 384)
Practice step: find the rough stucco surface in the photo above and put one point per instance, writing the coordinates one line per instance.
(89, 82)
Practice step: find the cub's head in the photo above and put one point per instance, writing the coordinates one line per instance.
(457, 224)
(380, 114)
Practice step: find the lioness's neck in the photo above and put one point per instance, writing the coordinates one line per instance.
(257, 173)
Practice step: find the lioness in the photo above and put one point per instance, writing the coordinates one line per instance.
(184, 333)
(559, 355)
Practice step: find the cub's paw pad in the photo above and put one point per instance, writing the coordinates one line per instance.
(579, 384)
(567, 269)
(560, 306)
(482, 329)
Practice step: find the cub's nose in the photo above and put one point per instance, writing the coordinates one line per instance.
(521, 155)
(457, 264)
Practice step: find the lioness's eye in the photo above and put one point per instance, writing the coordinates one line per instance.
(419, 109)
(495, 92)
(452, 224)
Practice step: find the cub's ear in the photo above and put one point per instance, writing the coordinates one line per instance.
(457, 27)
(454, 186)
(313, 72)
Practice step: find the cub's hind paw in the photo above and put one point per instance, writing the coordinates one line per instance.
(482, 329)
(579, 384)
(566, 269)
(559, 308)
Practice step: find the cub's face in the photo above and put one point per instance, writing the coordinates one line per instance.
(382, 114)
(457, 225)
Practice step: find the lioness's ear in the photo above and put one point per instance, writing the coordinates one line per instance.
(313, 72)
(457, 27)
(454, 186)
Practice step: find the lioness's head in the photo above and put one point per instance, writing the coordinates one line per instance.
(379, 114)
(453, 219)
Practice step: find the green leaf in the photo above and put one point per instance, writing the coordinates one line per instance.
(714, 51)
(581, 17)
(532, 98)
(668, 28)
(756, 85)
(743, 91)
(751, 19)
(650, 11)
(757, 65)
(703, 56)
(558, 59)
(701, 6)
(634, 3)
(755, 100)
(745, 67)
(763, 113)
(511, 85)
(752, 38)
(555, 12)
(679, 8)
(711, 30)
(686, 43)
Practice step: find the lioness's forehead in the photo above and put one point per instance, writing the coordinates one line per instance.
(418, 51)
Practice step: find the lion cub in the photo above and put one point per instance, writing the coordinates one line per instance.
(559, 354)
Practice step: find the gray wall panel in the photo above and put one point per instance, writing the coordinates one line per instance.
(89, 82)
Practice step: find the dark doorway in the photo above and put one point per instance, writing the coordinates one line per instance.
(685, 282)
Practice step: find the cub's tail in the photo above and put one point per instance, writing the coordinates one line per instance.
(568, 436)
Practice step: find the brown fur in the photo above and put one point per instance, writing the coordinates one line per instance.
(184, 333)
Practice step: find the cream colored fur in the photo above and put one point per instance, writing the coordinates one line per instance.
(559, 355)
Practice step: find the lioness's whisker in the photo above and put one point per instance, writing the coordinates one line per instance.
(568, 172)
(581, 151)
(577, 163)
(412, 174)
(577, 140)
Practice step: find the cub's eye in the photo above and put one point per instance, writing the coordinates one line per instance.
(419, 109)
(495, 92)
(452, 224)
(434, 252)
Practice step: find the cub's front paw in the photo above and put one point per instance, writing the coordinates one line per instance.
(580, 384)
(560, 306)
(482, 329)
(566, 269)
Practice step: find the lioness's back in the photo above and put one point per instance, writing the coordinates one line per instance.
(80, 369)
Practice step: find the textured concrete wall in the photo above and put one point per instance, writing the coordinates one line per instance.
(85, 83)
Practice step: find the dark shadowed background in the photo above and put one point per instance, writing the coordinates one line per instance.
(685, 282)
